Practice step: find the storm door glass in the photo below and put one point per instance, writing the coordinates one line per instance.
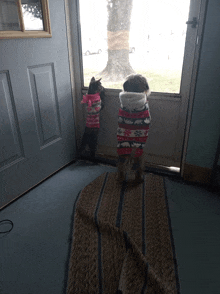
(120, 37)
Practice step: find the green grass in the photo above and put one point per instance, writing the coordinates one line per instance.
(88, 74)
(165, 81)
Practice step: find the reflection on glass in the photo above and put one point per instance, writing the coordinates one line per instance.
(152, 45)
(32, 15)
(9, 20)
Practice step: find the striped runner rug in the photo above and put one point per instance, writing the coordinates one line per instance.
(122, 240)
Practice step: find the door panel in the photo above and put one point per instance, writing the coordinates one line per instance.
(10, 136)
(37, 125)
(43, 90)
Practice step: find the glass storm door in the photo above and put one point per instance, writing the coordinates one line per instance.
(149, 37)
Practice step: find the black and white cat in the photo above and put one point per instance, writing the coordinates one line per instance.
(95, 103)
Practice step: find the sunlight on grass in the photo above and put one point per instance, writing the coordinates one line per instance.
(166, 81)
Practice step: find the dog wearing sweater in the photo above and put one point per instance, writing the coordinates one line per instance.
(133, 125)
(95, 103)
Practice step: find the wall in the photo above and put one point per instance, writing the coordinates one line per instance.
(205, 123)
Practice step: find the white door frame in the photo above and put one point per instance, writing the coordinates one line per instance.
(75, 53)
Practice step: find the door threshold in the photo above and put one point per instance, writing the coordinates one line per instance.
(157, 169)
(164, 170)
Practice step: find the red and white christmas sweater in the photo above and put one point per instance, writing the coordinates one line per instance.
(133, 123)
(93, 109)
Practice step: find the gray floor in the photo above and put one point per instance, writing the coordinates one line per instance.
(33, 256)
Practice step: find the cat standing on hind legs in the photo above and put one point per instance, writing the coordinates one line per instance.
(133, 125)
(95, 103)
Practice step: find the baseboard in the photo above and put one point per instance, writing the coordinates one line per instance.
(197, 174)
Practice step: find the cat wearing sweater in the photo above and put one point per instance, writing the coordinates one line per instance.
(95, 103)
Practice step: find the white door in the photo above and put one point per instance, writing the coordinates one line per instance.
(164, 47)
(37, 134)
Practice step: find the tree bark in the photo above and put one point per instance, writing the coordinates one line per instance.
(119, 18)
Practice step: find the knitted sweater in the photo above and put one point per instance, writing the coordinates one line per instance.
(93, 109)
(133, 123)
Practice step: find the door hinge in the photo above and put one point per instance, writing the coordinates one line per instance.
(193, 22)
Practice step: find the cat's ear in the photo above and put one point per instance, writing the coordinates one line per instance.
(99, 80)
(92, 79)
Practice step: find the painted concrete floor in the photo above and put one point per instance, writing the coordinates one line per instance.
(34, 255)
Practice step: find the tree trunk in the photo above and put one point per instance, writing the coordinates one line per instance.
(119, 18)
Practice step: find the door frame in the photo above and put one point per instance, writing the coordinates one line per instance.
(76, 71)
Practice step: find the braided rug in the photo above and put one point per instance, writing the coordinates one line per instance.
(122, 240)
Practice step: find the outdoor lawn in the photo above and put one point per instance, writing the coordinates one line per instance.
(167, 81)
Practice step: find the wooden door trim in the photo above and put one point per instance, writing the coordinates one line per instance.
(197, 174)
(75, 62)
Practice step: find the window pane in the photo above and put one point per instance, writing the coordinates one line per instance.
(9, 20)
(144, 36)
(32, 14)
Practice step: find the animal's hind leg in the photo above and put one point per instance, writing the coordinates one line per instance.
(93, 139)
(121, 169)
(139, 170)
(84, 141)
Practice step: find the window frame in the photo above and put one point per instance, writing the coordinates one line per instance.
(46, 33)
